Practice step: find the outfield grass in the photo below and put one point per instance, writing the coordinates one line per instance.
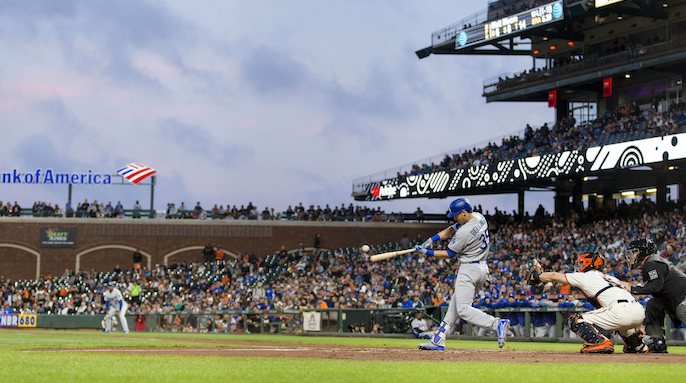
(19, 366)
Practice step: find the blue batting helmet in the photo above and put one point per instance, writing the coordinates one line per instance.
(459, 205)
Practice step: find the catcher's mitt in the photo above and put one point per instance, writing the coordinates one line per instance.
(535, 270)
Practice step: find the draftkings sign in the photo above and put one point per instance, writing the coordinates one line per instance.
(51, 237)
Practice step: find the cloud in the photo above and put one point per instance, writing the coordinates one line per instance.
(267, 70)
(39, 152)
(198, 142)
(111, 31)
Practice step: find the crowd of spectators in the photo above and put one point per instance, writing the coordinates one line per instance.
(245, 212)
(567, 135)
(345, 279)
(637, 45)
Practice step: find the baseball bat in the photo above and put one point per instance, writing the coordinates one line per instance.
(390, 254)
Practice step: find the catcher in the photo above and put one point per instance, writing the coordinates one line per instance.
(615, 308)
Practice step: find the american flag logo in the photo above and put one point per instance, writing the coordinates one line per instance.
(135, 172)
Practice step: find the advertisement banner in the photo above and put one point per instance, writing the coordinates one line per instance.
(552, 99)
(312, 321)
(17, 320)
(522, 170)
(51, 237)
(607, 87)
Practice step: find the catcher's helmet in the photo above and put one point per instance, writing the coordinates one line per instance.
(638, 250)
(587, 262)
(458, 206)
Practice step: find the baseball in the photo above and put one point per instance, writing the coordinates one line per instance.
(365, 248)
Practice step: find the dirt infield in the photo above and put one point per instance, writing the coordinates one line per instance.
(287, 350)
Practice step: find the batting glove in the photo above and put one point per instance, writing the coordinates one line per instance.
(429, 242)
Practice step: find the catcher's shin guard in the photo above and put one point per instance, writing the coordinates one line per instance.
(634, 344)
(586, 331)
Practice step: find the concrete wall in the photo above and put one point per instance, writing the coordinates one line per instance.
(103, 243)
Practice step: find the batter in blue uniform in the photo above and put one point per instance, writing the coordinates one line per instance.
(469, 244)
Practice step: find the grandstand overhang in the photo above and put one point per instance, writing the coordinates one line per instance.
(577, 83)
(611, 164)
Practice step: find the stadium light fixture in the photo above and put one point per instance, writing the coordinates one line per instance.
(553, 47)
(536, 52)
(545, 38)
(585, 178)
(571, 43)
(653, 190)
(672, 167)
(619, 17)
(627, 75)
(628, 193)
(665, 5)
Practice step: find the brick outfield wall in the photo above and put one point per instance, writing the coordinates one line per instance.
(162, 237)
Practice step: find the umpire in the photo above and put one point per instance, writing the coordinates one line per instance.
(665, 283)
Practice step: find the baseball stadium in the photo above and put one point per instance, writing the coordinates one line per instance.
(594, 290)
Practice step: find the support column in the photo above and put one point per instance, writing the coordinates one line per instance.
(609, 203)
(577, 195)
(152, 192)
(661, 194)
(562, 109)
(69, 194)
(520, 203)
(561, 203)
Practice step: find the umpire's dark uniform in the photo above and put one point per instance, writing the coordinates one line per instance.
(667, 285)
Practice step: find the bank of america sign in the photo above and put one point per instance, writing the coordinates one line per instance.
(51, 177)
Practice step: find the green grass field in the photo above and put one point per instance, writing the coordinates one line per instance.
(19, 366)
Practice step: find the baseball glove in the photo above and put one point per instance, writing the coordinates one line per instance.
(535, 270)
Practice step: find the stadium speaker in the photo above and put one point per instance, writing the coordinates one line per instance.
(579, 8)
(426, 52)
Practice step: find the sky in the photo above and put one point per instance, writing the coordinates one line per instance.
(269, 102)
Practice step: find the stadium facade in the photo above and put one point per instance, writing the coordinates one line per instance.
(589, 59)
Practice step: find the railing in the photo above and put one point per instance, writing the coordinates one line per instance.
(391, 322)
(509, 80)
(450, 32)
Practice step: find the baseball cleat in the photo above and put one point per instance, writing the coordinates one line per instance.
(431, 346)
(126, 332)
(502, 331)
(606, 347)
(106, 332)
(629, 350)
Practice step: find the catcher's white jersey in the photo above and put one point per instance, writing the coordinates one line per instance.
(470, 240)
(593, 281)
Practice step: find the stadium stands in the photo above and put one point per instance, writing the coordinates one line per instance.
(627, 123)
(344, 279)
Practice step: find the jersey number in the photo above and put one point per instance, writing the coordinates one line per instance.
(484, 240)
(611, 282)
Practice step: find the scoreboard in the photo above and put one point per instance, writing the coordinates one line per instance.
(535, 17)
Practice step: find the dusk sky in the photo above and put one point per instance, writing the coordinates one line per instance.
(274, 102)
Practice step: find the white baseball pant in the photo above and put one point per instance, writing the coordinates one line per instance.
(623, 317)
(122, 319)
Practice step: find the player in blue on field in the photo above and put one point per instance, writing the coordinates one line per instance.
(115, 305)
(469, 244)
